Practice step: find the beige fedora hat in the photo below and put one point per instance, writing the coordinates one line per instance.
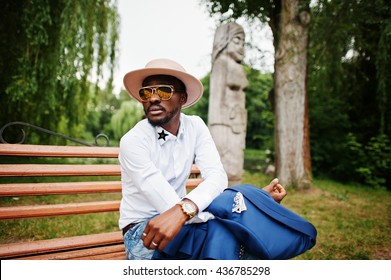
(133, 80)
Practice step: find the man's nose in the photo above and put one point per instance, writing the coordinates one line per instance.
(154, 97)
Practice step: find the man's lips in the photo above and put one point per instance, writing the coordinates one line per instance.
(154, 110)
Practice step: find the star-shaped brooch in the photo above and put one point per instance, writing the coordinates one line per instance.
(162, 135)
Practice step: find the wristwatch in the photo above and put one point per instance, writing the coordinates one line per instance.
(188, 208)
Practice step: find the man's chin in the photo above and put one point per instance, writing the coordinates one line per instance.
(158, 122)
(163, 119)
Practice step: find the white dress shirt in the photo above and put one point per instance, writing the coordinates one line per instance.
(156, 164)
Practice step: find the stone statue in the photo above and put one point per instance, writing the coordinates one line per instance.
(227, 115)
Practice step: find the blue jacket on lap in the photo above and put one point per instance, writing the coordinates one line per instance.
(257, 224)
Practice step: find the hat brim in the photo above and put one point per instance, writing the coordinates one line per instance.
(133, 82)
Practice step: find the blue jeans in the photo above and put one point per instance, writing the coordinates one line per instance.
(135, 249)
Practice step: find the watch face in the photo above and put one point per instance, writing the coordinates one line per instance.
(189, 208)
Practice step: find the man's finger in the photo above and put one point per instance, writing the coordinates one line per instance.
(274, 182)
(278, 188)
(269, 188)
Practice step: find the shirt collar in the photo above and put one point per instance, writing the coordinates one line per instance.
(164, 136)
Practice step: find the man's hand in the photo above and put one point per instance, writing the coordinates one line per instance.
(163, 228)
(277, 191)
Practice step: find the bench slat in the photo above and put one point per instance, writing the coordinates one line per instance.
(58, 244)
(57, 151)
(59, 188)
(195, 170)
(110, 256)
(34, 211)
(11, 170)
(193, 183)
(25, 189)
(95, 246)
(109, 252)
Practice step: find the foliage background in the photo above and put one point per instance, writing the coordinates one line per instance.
(348, 84)
(56, 68)
(56, 72)
(350, 91)
(52, 51)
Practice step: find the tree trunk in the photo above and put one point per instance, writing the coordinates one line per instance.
(292, 149)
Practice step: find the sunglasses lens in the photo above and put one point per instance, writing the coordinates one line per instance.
(164, 92)
(145, 93)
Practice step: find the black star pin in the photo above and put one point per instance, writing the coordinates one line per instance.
(162, 135)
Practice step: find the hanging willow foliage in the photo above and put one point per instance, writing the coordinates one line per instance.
(55, 51)
(383, 62)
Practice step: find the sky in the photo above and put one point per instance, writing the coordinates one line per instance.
(180, 30)
(177, 29)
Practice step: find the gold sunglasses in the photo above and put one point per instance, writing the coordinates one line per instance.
(164, 92)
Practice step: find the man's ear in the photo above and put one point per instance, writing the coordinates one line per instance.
(183, 98)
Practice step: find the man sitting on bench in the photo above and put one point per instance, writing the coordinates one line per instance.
(156, 157)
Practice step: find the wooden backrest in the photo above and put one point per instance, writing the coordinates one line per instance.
(63, 167)
(68, 170)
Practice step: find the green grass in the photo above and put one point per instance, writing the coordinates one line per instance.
(54, 227)
(255, 160)
(353, 222)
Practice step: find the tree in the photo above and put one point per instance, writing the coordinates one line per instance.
(260, 121)
(130, 113)
(201, 107)
(350, 88)
(52, 50)
(101, 107)
(289, 22)
(260, 117)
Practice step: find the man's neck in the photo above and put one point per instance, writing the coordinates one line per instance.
(173, 125)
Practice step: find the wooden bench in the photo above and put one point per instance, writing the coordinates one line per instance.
(102, 245)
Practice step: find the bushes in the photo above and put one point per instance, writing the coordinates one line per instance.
(375, 166)
(368, 163)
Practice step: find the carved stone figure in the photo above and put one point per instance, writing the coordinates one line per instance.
(227, 115)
